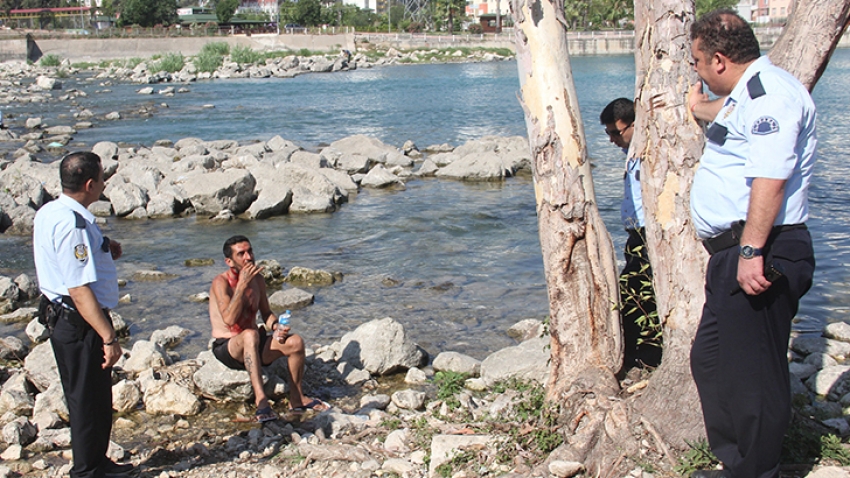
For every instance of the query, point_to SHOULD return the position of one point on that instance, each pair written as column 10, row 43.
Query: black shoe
column 115, row 470
column 711, row 474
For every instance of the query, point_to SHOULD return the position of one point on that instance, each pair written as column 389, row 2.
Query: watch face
column 748, row 252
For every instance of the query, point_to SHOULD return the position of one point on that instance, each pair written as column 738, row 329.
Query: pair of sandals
column 266, row 414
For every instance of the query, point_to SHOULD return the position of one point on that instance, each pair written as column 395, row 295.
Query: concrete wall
column 97, row 49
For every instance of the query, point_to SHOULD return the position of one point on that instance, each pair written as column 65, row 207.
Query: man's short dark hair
column 622, row 109
column 230, row 242
column 77, row 168
column 724, row 31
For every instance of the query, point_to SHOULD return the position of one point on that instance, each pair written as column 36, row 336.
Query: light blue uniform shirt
column 766, row 129
column 68, row 256
column 631, row 211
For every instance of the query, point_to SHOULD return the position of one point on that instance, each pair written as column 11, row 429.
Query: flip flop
column 314, row 404
column 265, row 415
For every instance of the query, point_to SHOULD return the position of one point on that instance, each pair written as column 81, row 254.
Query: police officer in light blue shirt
column 77, row 277
column 636, row 305
column 749, row 205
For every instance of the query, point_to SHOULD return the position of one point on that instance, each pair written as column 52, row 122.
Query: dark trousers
column 88, row 392
column 739, row 356
column 637, row 303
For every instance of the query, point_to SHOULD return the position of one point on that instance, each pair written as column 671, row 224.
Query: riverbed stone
column 125, row 196
column 565, row 469
column 25, row 189
column 311, row 191
column 445, row 447
column 526, row 329
column 145, row 355
column 838, row 331
column 311, row 277
column 36, row 332
column 24, row 314
column 270, row 202
column 380, row 347
column 52, row 400
column 810, row 345
column 16, row 395
column 12, row 348
column 19, row 432
column 415, row 375
column 380, row 177
column 833, row 382
column 212, row 192
column 291, row 298
column 216, row 380
column 40, row 365
column 163, row 398
column 526, row 361
column 125, row 396
column 170, row 337
column 458, row 363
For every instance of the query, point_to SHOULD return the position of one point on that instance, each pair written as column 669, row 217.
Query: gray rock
column 802, row 370
column 341, row 179
column 112, row 116
column 311, row 277
column 125, row 396
column 829, row 472
column 216, row 380
column 526, row 361
column 165, row 398
column 311, row 191
column 291, row 298
column 24, row 314
column 60, row 438
column 8, row 289
column 378, row 402
column 41, row 368
column 13, row 348
column 409, row 399
column 146, row 355
column 380, row 177
column 308, row 160
column 831, row 382
column 170, row 337
column 838, row 331
column 16, row 395
column 565, row 469
column 34, row 123
column 380, row 347
column 210, row 193
column 820, row 360
column 445, row 447
column 351, row 162
column 526, row 329
column 19, row 432
column 101, row 208
column 151, row 276
column 271, row 201
column 415, row 375
column 335, row 424
column 13, row 453
column 36, row 332
column 47, row 421
column 428, row 168
column 458, row 363
column 52, row 400
column 396, row 441
column 810, row 345
column 125, row 197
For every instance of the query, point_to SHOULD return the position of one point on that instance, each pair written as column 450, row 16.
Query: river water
column 456, row 263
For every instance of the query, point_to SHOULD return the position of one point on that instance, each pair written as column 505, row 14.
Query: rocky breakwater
column 222, row 180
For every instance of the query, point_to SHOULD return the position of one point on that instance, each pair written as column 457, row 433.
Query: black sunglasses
column 616, row 132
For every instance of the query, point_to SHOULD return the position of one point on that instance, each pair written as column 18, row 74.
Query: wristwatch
column 748, row 252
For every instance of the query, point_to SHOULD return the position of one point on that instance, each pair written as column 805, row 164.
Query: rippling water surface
column 456, row 263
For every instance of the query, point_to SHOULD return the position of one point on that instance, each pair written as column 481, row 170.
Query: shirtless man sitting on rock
column 236, row 296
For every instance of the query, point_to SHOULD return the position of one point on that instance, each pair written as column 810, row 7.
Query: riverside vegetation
column 450, row 416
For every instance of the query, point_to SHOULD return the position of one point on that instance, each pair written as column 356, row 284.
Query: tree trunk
column 670, row 144
column 578, row 254
column 810, row 37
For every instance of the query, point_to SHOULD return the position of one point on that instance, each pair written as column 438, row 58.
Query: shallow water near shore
column 456, row 263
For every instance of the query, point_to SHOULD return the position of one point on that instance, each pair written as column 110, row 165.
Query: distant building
column 766, row 12
column 488, row 7
column 363, row 4
column 269, row 7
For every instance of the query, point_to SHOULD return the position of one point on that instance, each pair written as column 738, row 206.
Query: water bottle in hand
column 282, row 321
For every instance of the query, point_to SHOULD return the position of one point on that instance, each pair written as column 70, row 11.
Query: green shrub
column 208, row 61
column 170, row 62
column 244, row 55
column 218, row 47
column 305, row 52
column 475, row 29
column 50, row 60
column 132, row 62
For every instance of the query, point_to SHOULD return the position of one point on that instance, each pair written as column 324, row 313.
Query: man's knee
column 295, row 343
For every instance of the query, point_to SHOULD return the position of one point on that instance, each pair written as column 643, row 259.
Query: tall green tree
column 147, row 13
column 307, row 13
column 224, row 10
column 451, row 10
column 705, row 6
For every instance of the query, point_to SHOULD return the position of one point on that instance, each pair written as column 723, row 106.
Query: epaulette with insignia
column 755, row 88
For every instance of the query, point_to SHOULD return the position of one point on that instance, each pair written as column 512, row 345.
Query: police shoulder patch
column 81, row 252
column 765, row 125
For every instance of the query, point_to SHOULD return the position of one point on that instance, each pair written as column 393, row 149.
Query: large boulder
column 216, row 380
column 380, row 177
column 271, row 201
column 380, row 347
column 53, row 401
column 458, row 363
column 290, row 299
column 25, row 189
column 146, row 355
column 125, row 196
column 528, row 361
column 212, row 192
column 311, row 191
column 488, row 159
column 371, row 148
column 16, row 396
column 166, row 398
column 125, row 396
column 170, row 337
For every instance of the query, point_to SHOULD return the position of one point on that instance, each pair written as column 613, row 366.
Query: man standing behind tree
column 638, row 305
column 77, row 277
column 758, row 161
column 236, row 296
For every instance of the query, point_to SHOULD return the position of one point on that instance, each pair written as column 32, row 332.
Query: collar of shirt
column 77, row 207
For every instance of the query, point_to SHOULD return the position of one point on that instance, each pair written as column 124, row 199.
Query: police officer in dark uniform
column 77, row 277
column 749, row 205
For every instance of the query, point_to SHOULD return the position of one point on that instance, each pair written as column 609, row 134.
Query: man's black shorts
column 219, row 349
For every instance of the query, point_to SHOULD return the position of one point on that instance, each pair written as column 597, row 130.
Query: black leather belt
column 732, row 237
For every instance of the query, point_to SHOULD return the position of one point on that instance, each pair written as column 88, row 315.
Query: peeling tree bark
column 578, row 255
column 670, row 144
